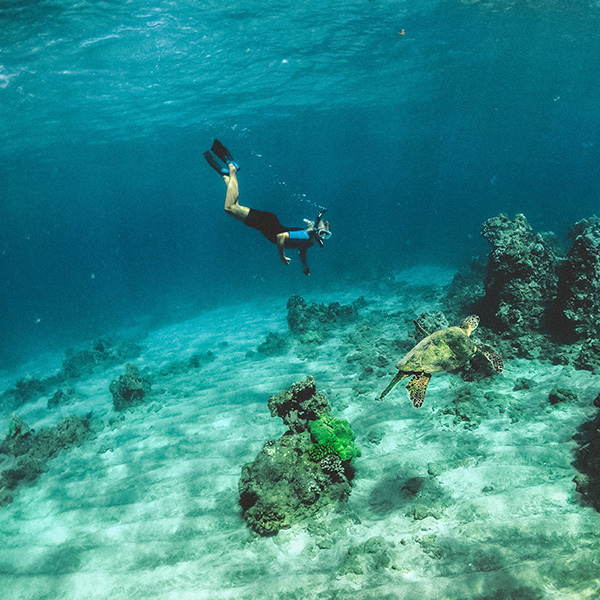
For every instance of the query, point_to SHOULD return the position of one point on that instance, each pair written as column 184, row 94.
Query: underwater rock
column 540, row 303
column 317, row 319
column 466, row 291
column 104, row 352
column 469, row 410
column 129, row 389
column 522, row 279
column 24, row 453
column 75, row 365
column 283, row 485
column 28, row 389
column 371, row 355
column 588, row 357
column 587, row 461
column 198, row 360
column 299, row 405
column 523, row 383
column 578, row 298
column 561, row 395
column 63, row 397
column 300, row 473
column 427, row 323
column 275, row 345
column 466, row 408
column 373, row 555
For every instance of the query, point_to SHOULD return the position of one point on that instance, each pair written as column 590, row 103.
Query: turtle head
column 469, row 324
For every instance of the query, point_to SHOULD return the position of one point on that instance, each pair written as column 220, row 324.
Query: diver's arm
column 303, row 261
column 281, row 238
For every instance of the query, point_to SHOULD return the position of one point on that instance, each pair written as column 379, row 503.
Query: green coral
column 319, row 451
column 336, row 436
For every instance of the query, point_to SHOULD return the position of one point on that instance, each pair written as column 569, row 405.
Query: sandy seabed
column 148, row 506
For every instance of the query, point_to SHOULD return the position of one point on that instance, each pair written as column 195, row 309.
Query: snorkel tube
column 319, row 217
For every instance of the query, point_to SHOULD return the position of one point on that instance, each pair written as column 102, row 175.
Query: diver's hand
column 285, row 260
column 306, row 271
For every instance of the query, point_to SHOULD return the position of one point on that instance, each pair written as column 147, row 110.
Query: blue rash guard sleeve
column 298, row 235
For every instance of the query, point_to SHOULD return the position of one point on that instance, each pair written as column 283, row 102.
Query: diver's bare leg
column 232, row 206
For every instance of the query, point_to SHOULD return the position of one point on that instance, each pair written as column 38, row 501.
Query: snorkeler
column 266, row 222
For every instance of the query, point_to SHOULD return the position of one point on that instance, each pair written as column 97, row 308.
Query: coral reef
column 578, row 300
column 129, row 389
column 282, row 486
column 522, row 279
column 289, row 481
column 470, row 406
column 104, row 352
column 587, row 461
column 299, row 405
column 313, row 321
column 587, row 358
column 374, row 345
column 24, row 452
column 336, row 436
column 427, row 323
column 537, row 296
column 467, row 291
column 28, row 389
column 63, row 397
column 275, row 345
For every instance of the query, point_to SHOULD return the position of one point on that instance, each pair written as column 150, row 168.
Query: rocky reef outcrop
column 587, row 460
column 130, row 388
column 25, row 452
column 319, row 319
column 578, row 301
column 522, row 279
column 536, row 296
column 105, row 352
column 306, row 470
column 275, row 344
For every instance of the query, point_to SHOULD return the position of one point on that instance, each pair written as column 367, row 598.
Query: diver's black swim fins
column 224, row 154
column 218, row 167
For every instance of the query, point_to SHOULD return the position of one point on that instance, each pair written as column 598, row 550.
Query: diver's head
column 322, row 232
column 321, row 228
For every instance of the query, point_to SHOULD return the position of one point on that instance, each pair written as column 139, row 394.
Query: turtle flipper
column 417, row 387
column 492, row 356
column 399, row 375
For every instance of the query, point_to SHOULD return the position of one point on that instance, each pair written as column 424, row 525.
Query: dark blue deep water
column 109, row 215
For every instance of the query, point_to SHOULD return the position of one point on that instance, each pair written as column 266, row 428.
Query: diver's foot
column 224, row 154
column 218, row 167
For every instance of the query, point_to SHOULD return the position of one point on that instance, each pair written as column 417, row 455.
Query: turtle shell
column 443, row 350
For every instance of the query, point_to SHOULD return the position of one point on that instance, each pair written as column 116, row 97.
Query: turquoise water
column 412, row 141
column 413, row 123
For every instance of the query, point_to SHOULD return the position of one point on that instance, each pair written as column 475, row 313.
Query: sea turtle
column 443, row 350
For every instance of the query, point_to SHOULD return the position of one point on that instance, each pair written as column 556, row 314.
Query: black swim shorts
column 266, row 222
